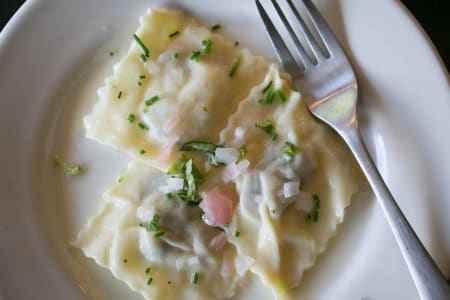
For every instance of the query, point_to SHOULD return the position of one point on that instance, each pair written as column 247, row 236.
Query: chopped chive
column 139, row 83
column 174, row 34
column 149, row 281
column 268, row 127
column 70, row 170
column 205, row 109
column 290, row 149
column 195, row 55
column 143, row 58
column 314, row 215
column 215, row 27
column 280, row 95
column 142, row 45
column 142, row 126
column 142, row 77
column 273, row 211
column 125, row 261
column 158, row 234
column 120, row 179
column 111, row 53
column 267, row 87
column 236, row 43
column 176, row 55
column 207, row 44
column 152, row 100
column 234, row 67
column 227, row 224
column 131, row 118
column 119, row 95
column 268, row 97
column 142, row 152
column 194, row 278
column 145, row 109
column 169, row 195
column 147, row 270
column 237, row 234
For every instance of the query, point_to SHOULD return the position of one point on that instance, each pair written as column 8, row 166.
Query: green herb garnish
column 142, row 77
column 280, row 95
column 147, row 270
column 131, row 118
column 149, row 281
column 205, row 109
column 153, row 225
column 125, row 261
column 119, row 95
column 70, row 170
column 242, row 151
column 174, row 34
column 192, row 179
column 268, row 97
column 234, row 67
column 141, row 44
column 142, row 152
column 208, row 148
column 267, row 87
column 268, row 127
column 158, row 234
column 142, row 126
column 314, row 215
column 236, row 43
column 207, row 44
column 194, row 278
column 152, row 100
column 290, row 149
column 195, row 55
column 143, row 57
column 169, row 195
column 237, row 234
column 215, row 27
column 176, row 55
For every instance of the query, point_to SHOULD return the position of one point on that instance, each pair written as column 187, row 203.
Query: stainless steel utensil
column 322, row 72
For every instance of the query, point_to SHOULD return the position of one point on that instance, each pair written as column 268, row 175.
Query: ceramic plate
column 55, row 53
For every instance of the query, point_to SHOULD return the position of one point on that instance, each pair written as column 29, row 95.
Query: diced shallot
column 304, row 201
column 218, row 242
column 167, row 149
column 232, row 171
column 227, row 155
column 291, row 189
column 218, row 205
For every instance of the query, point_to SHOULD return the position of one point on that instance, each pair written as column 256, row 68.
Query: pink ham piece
column 218, row 205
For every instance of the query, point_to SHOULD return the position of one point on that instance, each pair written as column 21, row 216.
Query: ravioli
column 192, row 84
column 229, row 177
column 159, row 267
column 287, row 238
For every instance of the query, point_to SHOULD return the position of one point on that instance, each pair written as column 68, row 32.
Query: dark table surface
column 433, row 15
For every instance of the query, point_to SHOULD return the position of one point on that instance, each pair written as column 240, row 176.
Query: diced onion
column 227, row 155
column 175, row 184
column 291, row 189
column 304, row 201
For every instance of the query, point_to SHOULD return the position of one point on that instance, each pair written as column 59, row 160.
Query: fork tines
column 308, row 44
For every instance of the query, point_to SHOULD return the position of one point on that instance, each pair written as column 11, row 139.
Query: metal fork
column 323, row 74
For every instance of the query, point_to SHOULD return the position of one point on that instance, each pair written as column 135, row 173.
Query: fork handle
column 429, row 281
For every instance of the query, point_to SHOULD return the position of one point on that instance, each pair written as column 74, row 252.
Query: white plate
column 54, row 53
